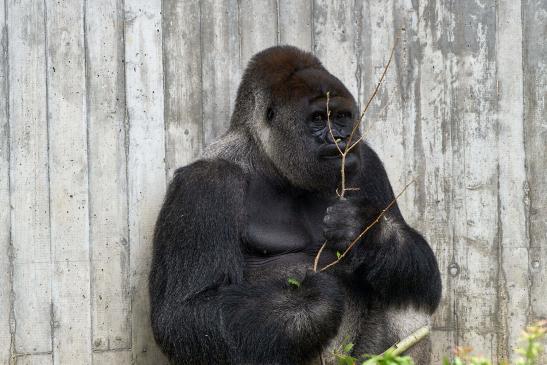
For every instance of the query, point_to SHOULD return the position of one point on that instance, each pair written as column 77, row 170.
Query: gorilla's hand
column 297, row 321
column 317, row 304
column 320, row 293
column 341, row 224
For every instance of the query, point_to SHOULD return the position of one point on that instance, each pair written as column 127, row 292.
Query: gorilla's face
column 331, row 133
column 296, row 133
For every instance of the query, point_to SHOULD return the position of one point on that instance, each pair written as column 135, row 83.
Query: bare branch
column 365, row 133
column 330, row 125
column 368, row 228
column 316, row 260
column 386, row 67
column 409, row 341
column 357, row 124
column 343, row 176
column 343, row 154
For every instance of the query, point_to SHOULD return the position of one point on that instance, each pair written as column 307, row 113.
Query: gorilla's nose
column 338, row 139
column 337, row 136
column 342, row 144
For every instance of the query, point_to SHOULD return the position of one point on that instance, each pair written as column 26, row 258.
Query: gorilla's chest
column 282, row 221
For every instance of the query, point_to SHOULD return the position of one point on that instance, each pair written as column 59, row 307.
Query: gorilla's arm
column 393, row 260
column 202, row 310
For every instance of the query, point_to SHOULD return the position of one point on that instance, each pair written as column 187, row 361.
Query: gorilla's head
column 282, row 103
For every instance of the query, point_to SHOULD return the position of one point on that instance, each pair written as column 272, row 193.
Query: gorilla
column 253, row 212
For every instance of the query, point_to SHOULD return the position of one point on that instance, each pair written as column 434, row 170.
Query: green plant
column 463, row 357
column 344, row 357
column 530, row 352
column 389, row 358
column 293, row 282
column 532, row 348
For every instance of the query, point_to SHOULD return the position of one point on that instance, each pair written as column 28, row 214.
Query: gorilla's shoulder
column 208, row 175
column 206, row 167
column 371, row 160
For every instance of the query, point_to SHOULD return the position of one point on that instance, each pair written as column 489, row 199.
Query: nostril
column 338, row 139
column 345, row 132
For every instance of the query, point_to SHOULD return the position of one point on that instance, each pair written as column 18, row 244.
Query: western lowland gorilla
column 253, row 212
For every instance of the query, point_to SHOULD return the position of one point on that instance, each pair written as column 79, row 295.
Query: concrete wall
column 100, row 100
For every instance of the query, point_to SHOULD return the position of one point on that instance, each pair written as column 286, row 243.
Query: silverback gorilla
column 253, row 212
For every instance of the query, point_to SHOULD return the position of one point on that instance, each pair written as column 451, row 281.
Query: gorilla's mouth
column 330, row 151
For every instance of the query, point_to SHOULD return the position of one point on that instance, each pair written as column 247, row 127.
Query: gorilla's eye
column 270, row 114
column 317, row 117
column 342, row 115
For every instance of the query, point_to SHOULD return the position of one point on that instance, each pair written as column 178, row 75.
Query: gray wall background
column 100, row 100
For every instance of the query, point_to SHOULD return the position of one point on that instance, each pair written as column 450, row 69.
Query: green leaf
column 294, row 282
column 348, row 347
column 338, row 254
column 350, row 360
column 446, row 361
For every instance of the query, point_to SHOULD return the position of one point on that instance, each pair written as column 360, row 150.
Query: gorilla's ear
column 270, row 114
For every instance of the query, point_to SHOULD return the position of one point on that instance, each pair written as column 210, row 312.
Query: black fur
column 236, row 225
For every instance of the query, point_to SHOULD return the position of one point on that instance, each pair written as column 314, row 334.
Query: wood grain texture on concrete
column 102, row 100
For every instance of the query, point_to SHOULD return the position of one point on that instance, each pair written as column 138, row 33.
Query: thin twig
column 349, row 146
column 386, row 67
column 343, row 154
column 354, row 242
column 316, row 260
column 363, row 135
column 330, row 125
column 388, row 103
column 343, row 176
column 357, row 124
column 401, row 346
column 365, row 132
